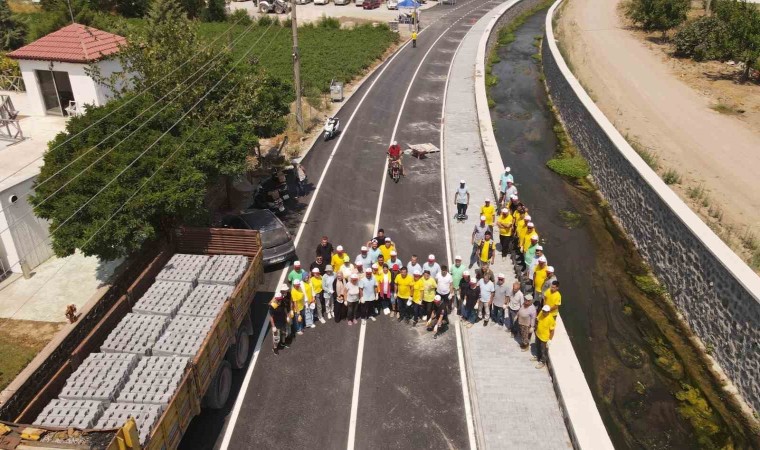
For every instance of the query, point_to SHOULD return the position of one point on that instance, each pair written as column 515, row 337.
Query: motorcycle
column 276, row 6
column 331, row 128
column 268, row 199
column 395, row 170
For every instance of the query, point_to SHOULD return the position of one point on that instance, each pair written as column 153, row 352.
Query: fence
column 12, row 83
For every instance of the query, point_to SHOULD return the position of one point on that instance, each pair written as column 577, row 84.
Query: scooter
column 276, row 6
column 395, row 171
column 268, row 199
column 331, row 128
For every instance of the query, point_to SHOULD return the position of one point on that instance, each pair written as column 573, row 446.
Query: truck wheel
column 219, row 390
column 237, row 355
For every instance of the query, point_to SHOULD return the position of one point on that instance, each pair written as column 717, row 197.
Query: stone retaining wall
column 715, row 291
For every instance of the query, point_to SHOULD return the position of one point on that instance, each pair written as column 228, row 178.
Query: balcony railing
column 9, row 124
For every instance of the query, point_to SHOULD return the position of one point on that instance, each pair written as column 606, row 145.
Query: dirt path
column 639, row 92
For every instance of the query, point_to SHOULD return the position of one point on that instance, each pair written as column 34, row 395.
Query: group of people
column 531, row 304
column 338, row 287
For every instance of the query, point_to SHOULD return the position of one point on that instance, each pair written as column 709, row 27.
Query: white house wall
column 27, row 238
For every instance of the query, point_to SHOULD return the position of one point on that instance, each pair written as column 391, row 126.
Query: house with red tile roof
column 55, row 69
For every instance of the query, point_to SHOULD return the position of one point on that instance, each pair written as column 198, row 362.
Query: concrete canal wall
column 715, row 291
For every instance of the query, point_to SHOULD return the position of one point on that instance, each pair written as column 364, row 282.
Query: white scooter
column 331, row 128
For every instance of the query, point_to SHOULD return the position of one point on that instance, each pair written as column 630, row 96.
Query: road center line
column 362, row 335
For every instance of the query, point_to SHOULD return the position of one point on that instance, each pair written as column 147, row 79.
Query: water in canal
column 633, row 368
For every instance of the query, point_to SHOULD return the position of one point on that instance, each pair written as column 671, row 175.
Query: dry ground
column 20, row 341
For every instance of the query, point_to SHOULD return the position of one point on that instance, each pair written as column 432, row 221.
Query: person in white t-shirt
column 444, row 281
column 486, row 299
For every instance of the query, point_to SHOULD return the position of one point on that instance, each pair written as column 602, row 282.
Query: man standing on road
column 328, row 291
column 486, row 287
column 394, row 300
column 545, row 324
column 338, row 258
column 516, row 300
column 413, row 266
column 297, row 273
column 526, row 320
column 387, row 248
column 431, row 266
column 418, row 290
column 539, row 273
column 429, row 293
column 553, row 299
column 550, row 278
column 456, row 279
column 394, row 260
column 301, row 177
column 297, row 298
column 470, row 298
column 368, row 287
column 500, row 298
column 487, row 250
column 505, row 223
column 404, row 284
column 414, row 39
column 320, row 263
column 384, row 280
column 489, row 212
column 352, row 293
column 438, row 318
column 536, row 260
column 374, row 251
column 444, row 281
column 461, row 200
column 278, row 318
column 503, row 179
column 363, row 257
column 478, row 234
column 325, row 249
column 315, row 282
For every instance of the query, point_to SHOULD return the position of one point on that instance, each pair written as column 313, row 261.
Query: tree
column 742, row 20
column 216, row 11
column 12, row 31
column 657, row 15
column 216, row 139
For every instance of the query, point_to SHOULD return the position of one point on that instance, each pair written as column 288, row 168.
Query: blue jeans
column 417, row 311
column 469, row 314
column 299, row 324
column 497, row 313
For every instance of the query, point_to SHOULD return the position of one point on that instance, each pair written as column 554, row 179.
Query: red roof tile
column 73, row 43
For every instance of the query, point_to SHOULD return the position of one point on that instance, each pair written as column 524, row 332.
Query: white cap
column 527, row 217
column 550, row 269
column 297, row 282
column 542, row 259
column 284, row 287
column 417, row 272
column 546, row 308
column 354, row 276
column 431, row 256
column 315, row 270
column 501, row 275
column 278, row 296
column 513, row 197
column 394, row 143
column 539, row 247
column 297, row 263
column 466, row 273
column 393, row 253
column 504, row 210
column 457, row 258
column 359, row 262
column 437, row 298
column 534, row 237
column 368, row 270
column 482, row 217
column 339, row 248
column 528, row 298
column 375, row 266
column 473, row 281
column 364, row 248
column 387, row 239
column 461, row 181
column 507, row 169
column 510, row 181
column 530, row 225
column 487, row 200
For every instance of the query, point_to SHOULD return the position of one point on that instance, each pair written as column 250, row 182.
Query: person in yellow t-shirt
column 530, row 230
column 521, row 229
column 338, row 258
column 545, row 325
column 404, row 284
column 487, row 250
column 418, row 290
column 315, row 282
column 505, row 222
column 298, row 300
column 539, row 276
column 429, row 293
column 489, row 211
column 552, row 298
column 386, row 249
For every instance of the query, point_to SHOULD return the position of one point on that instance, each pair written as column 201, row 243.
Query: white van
column 391, row 4
column 321, row 2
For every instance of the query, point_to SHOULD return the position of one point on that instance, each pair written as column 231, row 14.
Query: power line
column 124, row 104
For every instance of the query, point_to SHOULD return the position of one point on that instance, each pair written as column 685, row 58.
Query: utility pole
column 296, row 68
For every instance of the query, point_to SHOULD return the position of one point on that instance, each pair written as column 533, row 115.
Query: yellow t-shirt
column 526, row 241
column 405, row 285
column 539, row 276
column 545, row 323
column 417, row 291
column 386, row 252
column 522, row 227
column 552, row 299
column 430, row 286
column 505, row 224
column 337, row 261
column 297, row 297
column 316, row 284
column 488, row 211
column 414, row 35
column 486, row 245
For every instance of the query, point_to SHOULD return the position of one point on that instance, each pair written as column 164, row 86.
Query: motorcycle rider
column 394, row 154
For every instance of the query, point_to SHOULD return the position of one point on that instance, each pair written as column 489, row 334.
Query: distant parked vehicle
column 302, row 2
column 275, row 237
column 371, row 4
column 341, row 2
column 275, row 6
column 391, row 4
column 321, row 2
column 358, row 3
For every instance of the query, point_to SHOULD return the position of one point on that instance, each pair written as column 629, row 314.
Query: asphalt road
column 411, row 394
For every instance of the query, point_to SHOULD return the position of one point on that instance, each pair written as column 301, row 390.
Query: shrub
column 240, row 17
column 572, row 167
column 671, row 177
column 657, row 15
column 215, row 11
column 328, row 22
column 12, row 31
column 702, row 39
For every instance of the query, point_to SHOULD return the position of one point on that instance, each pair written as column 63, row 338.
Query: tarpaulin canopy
column 411, row 4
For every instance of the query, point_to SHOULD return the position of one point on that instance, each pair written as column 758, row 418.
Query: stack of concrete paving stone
column 184, row 336
column 100, row 377
column 136, row 333
column 224, row 269
column 164, row 298
column 183, row 267
column 206, row 300
column 145, row 416
column 80, row 414
column 155, row 380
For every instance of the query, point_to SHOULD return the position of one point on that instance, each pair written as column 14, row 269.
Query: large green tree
column 12, row 31
column 657, row 15
column 742, row 20
column 216, row 138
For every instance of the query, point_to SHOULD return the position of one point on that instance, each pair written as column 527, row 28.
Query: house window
column 56, row 91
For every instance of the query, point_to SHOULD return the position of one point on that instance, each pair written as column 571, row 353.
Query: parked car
column 358, row 2
column 341, row 2
column 276, row 240
column 391, row 4
column 321, row 2
column 371, row 4
column 302, row 2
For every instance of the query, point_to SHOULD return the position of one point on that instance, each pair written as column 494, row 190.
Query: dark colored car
column 372, row 4
column 275, row 237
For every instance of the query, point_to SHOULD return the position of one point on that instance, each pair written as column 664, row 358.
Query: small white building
column 57, row 86
column 54, row 69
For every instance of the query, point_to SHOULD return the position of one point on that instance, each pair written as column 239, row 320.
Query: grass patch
column 20, row 341
column 571, row 167
column 671, row 177
column 726, row 109
column 696, row 193
column 491, row 80
column 649, row 285
column 646, row 154
column 749, row 240
column 571, row 219
column 694, row 408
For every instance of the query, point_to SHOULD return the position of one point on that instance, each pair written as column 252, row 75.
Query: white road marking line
column 460, row 350
column 249, row 373
column 360, row 350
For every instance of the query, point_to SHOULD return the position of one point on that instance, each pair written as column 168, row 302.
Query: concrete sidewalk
column 514, row 404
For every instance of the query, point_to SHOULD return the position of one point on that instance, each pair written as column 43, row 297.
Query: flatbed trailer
column 207, row 380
